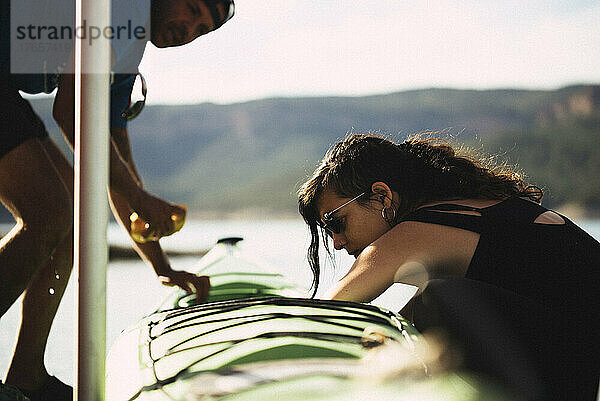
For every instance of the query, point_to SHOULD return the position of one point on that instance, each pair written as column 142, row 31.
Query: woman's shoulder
column 435, row 246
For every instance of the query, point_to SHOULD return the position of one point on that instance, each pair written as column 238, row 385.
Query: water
column 279, row 244
column 133, row 290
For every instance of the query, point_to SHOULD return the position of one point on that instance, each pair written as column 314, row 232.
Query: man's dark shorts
column 18, row 121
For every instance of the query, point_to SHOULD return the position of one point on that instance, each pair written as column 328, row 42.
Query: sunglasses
column 335, row 225
column 134, row 110
column 214, row 11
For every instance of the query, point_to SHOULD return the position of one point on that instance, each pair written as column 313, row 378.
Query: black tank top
column 555, row 265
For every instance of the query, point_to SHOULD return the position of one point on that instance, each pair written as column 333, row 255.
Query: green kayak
column 257, row 338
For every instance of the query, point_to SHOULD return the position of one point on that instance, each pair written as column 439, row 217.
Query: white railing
column 91, row 207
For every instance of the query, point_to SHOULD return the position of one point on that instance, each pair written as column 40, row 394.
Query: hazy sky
column 355, row 47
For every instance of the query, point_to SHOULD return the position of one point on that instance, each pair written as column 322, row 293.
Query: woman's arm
column 410, row 253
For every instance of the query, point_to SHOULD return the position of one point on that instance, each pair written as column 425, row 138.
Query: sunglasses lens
column 229, row 7
column 231, row 11
column 336, row 226
column 133, row 111
column 139, row 85
column 333, row 226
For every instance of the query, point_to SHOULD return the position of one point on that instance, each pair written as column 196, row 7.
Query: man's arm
column 153, row 210
column 151, row 251
column 127, row 195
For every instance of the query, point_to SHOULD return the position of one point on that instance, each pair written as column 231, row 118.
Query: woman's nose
column 339, row 241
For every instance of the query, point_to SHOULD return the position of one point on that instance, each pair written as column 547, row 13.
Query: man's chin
column 157, row 42
column 160, row 41
column 163, row 44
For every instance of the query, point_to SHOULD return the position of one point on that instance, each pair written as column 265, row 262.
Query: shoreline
column 121, row 252
column 572, row 210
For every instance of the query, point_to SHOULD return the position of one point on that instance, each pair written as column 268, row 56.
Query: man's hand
column 163, row 218
column 188, row 282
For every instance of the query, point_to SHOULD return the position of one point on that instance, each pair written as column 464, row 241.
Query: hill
column 251, row 157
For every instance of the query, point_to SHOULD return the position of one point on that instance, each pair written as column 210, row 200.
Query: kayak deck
column 245, row 344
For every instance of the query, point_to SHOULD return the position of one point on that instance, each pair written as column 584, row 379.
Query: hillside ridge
column 252, row 156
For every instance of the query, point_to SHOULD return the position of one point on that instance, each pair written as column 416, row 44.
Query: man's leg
column 33, row 191
column 42, row 298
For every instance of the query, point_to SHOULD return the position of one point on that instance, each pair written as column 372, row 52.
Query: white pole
column 91, row 206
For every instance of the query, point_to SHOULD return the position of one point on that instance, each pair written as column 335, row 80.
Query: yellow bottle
column 141, row 231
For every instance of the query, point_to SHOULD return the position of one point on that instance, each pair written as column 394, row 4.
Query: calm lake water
column 133, row 291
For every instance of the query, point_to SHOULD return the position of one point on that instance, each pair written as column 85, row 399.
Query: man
column 36, row 183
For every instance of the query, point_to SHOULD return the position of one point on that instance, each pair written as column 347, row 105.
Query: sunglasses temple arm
column 345, row 204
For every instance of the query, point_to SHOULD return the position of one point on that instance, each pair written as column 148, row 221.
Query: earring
column 386, row 217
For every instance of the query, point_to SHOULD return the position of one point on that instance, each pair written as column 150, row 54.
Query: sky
column 361, row 47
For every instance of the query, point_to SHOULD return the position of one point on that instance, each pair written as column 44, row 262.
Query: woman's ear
column 383, row 193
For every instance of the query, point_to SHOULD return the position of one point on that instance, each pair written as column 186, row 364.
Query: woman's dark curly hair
column 421, row 170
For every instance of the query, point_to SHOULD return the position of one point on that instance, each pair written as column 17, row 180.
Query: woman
column 508, row 281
